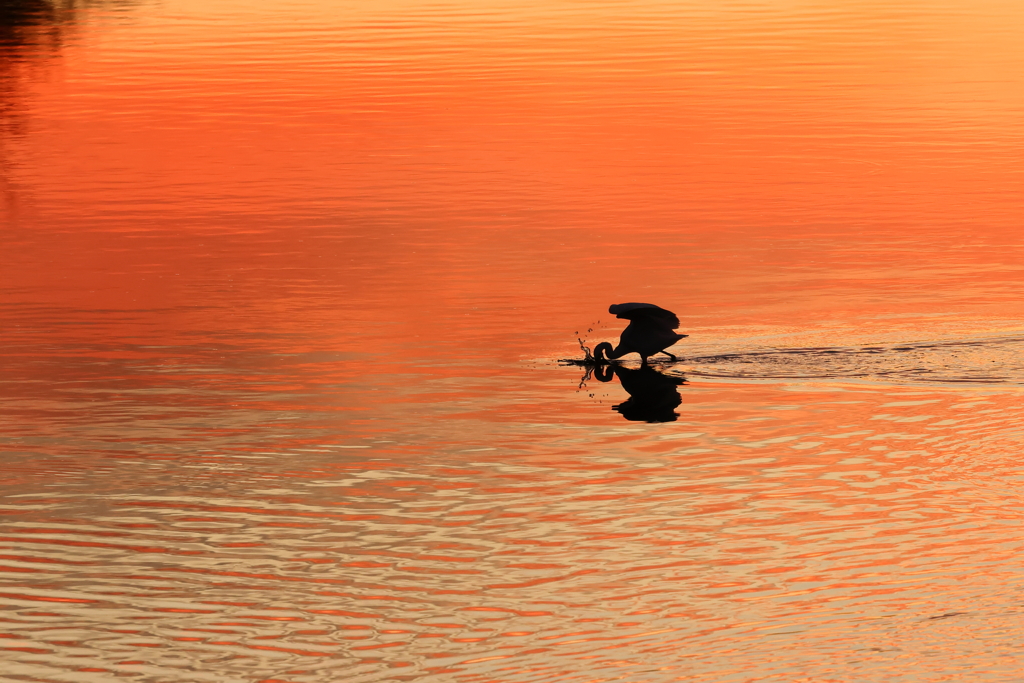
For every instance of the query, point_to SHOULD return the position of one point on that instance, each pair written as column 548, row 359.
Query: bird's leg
column 672, row 356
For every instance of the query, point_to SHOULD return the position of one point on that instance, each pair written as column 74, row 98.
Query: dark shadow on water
column 653, row 396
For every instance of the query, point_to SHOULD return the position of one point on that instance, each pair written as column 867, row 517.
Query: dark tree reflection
column 20, row 18
column 653, row 396
column 32, row 32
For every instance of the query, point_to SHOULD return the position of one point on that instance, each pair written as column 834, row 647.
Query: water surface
column 283, row 288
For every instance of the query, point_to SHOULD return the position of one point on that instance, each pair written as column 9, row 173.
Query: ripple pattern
column 865, row 525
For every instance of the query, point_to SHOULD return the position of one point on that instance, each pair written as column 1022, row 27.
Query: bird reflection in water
column 653, row 396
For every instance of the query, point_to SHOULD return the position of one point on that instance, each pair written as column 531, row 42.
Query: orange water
column 283, row 287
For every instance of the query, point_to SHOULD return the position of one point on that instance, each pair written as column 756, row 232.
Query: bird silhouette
column 650, row 331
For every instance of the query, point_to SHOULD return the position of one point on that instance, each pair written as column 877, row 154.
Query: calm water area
column 284, row 286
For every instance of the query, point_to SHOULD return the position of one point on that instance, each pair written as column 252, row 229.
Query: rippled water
column 284, row 286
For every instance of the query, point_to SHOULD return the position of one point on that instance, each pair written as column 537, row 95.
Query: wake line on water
column 994, row 360
column 984, row 361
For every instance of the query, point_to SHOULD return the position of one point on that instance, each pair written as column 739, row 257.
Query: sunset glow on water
column 284, row 287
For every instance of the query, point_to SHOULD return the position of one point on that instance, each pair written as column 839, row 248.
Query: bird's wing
column 666, row 318
column 648, row 312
